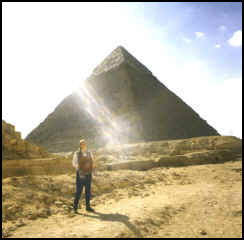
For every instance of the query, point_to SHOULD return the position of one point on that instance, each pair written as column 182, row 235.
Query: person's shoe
column 75, row 210
column 89, row 209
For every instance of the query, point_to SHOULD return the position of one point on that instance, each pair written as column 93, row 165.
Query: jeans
column 80, row 183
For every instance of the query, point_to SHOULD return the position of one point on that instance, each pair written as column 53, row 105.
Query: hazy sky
column 195, row 49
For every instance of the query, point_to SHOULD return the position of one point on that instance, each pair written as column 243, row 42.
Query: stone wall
column 13, row 147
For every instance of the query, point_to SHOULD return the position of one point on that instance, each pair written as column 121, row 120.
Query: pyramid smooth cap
column 117, row 57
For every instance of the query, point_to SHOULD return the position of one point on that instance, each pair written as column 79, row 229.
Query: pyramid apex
column 117, row 57
column 120, row 47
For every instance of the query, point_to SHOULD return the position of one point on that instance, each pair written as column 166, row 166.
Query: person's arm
column 94, row 165
column 75, row 160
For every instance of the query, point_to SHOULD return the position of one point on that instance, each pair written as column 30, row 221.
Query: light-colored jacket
column 75, row 160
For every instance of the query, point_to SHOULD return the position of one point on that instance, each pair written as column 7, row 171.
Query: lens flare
column 111, row 128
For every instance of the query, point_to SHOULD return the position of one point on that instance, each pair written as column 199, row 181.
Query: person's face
column 83, row 146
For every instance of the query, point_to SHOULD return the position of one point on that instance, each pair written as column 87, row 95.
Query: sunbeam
column 110, row 128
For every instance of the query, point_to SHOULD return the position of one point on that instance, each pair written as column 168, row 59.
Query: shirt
column 75, row 160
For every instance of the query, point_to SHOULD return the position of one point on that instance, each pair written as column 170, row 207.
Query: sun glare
column 111, row 128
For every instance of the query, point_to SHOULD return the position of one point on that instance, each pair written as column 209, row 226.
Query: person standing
column 83, row 175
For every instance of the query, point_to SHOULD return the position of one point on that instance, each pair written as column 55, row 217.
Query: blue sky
column 177, row 21
column 195, row 49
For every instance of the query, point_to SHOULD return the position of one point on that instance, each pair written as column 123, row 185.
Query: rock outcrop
column 13, row 147
column 138, row 156
column 174, row 153
column 123, row 100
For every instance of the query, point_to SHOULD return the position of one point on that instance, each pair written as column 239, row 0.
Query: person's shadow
column 115, row 217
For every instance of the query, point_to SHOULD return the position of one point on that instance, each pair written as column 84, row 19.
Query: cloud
column 199, row 34
column 236, row 39
column 227, row 98
column 218, row 46
column 218, row 102
column 222, row 28
column 187, row 40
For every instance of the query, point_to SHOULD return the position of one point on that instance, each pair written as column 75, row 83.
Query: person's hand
column 95, row 173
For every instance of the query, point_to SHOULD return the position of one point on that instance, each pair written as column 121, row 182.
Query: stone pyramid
column 121, row 99
column 14, row 147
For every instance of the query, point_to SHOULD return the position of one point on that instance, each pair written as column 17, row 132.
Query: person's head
column 83, row 145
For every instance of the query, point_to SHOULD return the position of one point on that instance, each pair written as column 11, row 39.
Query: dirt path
column 202, row 209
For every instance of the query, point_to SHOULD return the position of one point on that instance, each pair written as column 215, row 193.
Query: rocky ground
column 193, row 201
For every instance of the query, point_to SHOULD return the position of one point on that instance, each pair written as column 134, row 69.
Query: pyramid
column 14, row 147
column 124, row 100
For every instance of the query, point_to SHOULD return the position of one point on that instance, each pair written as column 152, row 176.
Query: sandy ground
column 192, row 202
